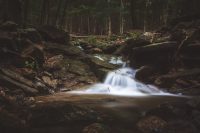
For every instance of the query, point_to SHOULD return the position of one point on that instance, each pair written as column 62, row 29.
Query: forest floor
column 38, row 65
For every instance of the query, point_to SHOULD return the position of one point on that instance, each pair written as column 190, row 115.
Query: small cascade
column 122, row 82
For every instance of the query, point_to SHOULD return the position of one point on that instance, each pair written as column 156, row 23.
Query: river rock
column 68, row 50
column 51, row 82
column 97, row 63
column 31, row 34
column 151, row 124
column 76, row 67
column 180, row 126
column 10, row 122
column 52, row 34
column 96, row 128
column 101, row 73
column 8, row 41
column 71, row 72
column 144, row 73
column 126, row 49
column 95, row 50
column 99, row 67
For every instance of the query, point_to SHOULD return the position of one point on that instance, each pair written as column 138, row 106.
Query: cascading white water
column 122, row 82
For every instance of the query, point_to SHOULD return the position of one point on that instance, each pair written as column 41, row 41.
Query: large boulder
column 68, row 50
column 151, row 124
column 96, row 128
column 99, row 67
column 31, row 34
column 71, row 73
column 158, row 54
column 144, row 73
column 33, row 53
column 126, row 49
column 53, row 34
column 97, row 63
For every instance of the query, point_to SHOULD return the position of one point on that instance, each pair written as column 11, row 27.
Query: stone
column 95, row 62
column 130, row 44
column 54, row 62
column 68, row 50
column 144, row 73
column 101, row 73
column 51, row 82
column 180, row 126
column 31, row 34
column 95, row 50
column 53, row 34
column 151, row 124
column 96, row 128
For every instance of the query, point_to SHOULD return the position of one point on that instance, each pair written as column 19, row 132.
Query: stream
column 118, row 103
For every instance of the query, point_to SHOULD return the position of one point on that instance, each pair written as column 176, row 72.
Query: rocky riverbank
column 169, row 57
column 38, row 62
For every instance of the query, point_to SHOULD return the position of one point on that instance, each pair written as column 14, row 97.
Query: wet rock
column 101, row 73
column 52, row 34
column 180, row 126
column 99, row 67
column 76, row 67
column 72, row 72
column 126, row 49
column 151, row 124
column 95, row 50
column 96, row 128
column 144, row 73
column 95, row 62
column 58, row 113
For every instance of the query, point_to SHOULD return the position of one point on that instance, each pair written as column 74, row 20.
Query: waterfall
column 122, row 82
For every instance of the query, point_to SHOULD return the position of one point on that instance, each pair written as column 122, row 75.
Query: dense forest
column 99, row 17
column 99, row 66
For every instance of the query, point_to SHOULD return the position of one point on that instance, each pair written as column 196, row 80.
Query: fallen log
column 169, row 78
column 156, row 47
column 17, row 77
column 28, row 90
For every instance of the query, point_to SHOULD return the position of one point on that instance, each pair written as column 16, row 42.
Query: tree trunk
column 26, row 10
column 11, row 10
column 109, row 20
column 132, row 12
column 44, row 16
column 57, row 12
column 121, row 17
column 63, row 17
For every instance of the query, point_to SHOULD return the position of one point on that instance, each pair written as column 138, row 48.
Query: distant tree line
column 97, row 16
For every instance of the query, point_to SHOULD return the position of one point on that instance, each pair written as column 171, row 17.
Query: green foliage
column 135, row 34
column 31, row 64
column 92, row 40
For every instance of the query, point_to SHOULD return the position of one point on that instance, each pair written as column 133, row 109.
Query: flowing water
column 119, row 103
column 122, row 82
